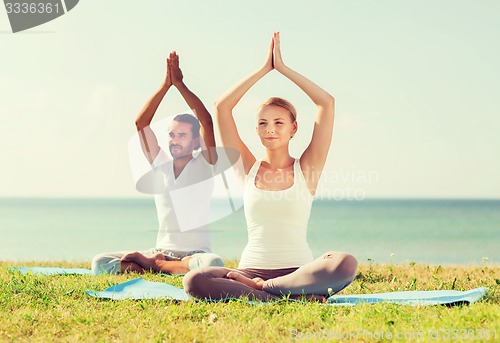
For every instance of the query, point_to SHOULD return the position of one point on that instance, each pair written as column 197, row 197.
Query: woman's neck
column 278, row 159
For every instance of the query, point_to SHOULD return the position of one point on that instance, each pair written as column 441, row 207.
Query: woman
column 278, row 194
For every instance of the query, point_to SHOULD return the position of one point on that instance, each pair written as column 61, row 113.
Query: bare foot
column 159, row 256
column 256, row 283
column 184, row 267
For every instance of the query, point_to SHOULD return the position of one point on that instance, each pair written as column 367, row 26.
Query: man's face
column 181, row 142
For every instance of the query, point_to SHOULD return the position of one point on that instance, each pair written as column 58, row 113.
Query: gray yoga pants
column 109, row 263
column 331, row 272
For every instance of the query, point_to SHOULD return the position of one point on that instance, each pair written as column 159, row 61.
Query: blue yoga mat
column 51, row 271
column 142, row 289
column 443, row 297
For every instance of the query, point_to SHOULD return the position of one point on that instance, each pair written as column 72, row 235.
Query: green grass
column 56, row 308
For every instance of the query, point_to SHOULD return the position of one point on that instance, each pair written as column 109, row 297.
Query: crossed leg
column 333, row 270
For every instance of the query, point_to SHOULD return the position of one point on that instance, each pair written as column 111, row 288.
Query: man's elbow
column 140, row 125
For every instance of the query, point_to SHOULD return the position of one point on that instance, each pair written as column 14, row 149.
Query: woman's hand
column 256, row 283
column 268, row 64
column 174, row 69
column 277, row 59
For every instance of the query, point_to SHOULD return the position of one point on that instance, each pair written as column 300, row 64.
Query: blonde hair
column 280, row 102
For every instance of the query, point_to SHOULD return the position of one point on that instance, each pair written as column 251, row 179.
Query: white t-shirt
column 183, row 204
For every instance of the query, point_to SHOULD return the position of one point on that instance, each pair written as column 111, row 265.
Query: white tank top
column 276, row 223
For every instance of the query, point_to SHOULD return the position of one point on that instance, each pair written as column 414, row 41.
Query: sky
column 416, row 85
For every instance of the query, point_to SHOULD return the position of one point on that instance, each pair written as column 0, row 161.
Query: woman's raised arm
column 224, row 111
column 313, row 159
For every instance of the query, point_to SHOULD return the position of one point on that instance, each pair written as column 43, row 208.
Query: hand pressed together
column 273, row 58
column 277, row 59
column 174, row 69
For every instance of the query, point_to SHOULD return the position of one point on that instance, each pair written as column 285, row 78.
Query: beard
column 177, row 151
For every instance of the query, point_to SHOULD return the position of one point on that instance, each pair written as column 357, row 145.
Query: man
column 178, row 249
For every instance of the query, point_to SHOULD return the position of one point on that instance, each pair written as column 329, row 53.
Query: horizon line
column 318, row 198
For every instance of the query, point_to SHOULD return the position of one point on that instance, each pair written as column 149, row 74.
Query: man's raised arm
column 149, row 143
column 201, row 112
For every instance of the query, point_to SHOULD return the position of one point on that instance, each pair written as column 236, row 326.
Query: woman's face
column 275, row 126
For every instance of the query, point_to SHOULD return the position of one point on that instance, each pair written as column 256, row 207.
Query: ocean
column 444, row 232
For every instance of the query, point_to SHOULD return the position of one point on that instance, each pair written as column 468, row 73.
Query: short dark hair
column 190, row 119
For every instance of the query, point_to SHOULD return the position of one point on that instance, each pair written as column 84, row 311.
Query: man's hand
column 168, row 77
column 175, row 70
